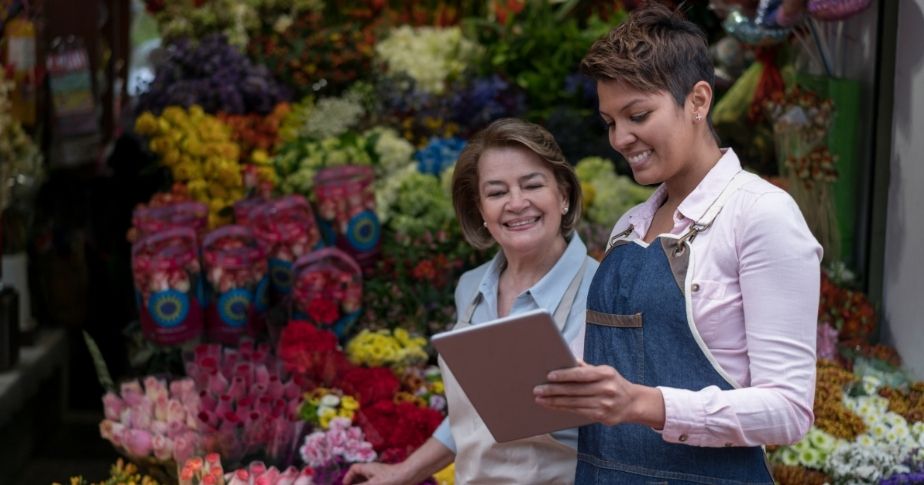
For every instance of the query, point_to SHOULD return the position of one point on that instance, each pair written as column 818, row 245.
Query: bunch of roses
column 199, row 151
column 311, row 355
column 246, row 407
column 154, row 421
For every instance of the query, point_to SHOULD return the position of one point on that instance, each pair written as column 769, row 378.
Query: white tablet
column 498, row 364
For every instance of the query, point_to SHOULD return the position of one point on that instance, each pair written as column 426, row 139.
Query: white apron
column 481, row 460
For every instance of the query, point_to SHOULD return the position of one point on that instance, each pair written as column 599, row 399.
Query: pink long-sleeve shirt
column 754, row 300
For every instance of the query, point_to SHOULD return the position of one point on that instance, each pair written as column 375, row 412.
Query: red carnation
column 323, row 311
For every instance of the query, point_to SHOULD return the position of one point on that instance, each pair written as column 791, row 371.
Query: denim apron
column 479, row 458
column 639, row 321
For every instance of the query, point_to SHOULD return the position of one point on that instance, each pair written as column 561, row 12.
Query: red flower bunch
column 323, row 311
column 847, row 310
column 370, row 385
column 396, row 430
column 311, row 354
column 504, row 9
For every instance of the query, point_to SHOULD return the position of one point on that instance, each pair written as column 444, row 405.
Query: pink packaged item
column 287, row 231
column 346, row 209
column 328, row 290
column 168, row 286
column 237, row 276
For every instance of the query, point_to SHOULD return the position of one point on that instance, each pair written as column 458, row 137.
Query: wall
column 903, row 273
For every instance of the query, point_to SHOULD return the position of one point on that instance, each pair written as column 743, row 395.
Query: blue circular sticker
column 168, row 308
column 234, row 307
column 364, row 231
column 281, row 275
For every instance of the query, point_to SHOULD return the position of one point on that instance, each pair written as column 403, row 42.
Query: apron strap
column 561, row 312
column 709, row 216
column 567, row 301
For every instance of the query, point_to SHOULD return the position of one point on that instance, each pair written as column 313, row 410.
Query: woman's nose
column 621, row 138
column 518, row 201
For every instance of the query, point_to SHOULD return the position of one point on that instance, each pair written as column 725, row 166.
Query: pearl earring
column 484, row 223
column 564, row 210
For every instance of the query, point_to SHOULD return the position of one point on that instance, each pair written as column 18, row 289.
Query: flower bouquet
column 328, row 290
column 152, row 218
column 154, row 423
column 247, row 408
column 168, row 286
column 310, row 355
column 383, row 348
column 329, row 453
column 237, row 275
column 321, row 405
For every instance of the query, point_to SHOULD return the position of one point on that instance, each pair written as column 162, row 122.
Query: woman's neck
column 704, row 157
column 524, row 270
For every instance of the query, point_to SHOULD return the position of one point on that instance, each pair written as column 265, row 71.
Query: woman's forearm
column 430, row 458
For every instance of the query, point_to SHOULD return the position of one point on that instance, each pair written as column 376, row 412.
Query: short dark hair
column 509, row 132
column 655, row 49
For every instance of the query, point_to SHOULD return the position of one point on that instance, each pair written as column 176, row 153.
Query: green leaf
column 102, row 372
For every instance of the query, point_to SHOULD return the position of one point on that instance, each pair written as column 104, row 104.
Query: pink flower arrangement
column 246, row 406
column 154, row 421
column 208, row 471
column 331, row 451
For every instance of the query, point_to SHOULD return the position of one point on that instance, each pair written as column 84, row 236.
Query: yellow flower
column 325, row 415
column 146, row 124
column 345, row 413
column 259, row 157
column 349, row 403
column 446, row 476
column 438, row 387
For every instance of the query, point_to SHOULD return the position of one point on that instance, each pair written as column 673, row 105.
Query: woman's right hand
column 377, row 474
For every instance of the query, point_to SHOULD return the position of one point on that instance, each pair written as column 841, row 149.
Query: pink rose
column 176, row 412
column 163, row 447
column 137, row 442
column 131, row 393
column 112, row 406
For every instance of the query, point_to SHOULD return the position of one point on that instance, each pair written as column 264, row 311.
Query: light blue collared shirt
column 545, row 294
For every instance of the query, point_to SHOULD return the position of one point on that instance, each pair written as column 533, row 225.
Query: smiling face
column 654, row 135
column 520, row 200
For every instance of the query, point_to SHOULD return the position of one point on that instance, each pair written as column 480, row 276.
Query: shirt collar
column 548, row 291
column 695, row 205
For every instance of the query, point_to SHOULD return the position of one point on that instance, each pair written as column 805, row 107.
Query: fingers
column 582, row 373
column 356, row 474
column 571, row 389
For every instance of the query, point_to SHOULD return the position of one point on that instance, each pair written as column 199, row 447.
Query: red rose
column 370, row 385
column 323, row 311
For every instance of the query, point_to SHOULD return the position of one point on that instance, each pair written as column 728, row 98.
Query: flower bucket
column 346, row 207
column 237, row 276
column 287, row 230
column 168, row 286
column 328, row 290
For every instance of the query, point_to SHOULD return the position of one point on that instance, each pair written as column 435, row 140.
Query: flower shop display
column 154, row 422
column 168, row 286
column 345, row 202
column 328, row 290
column 318, row 302
column 237, row 274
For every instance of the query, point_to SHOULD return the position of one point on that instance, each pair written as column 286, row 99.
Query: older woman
column 512, row 186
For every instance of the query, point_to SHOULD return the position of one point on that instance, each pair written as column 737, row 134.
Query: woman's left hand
column 601, row 394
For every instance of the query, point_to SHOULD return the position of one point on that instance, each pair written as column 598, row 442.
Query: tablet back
column 498, row 364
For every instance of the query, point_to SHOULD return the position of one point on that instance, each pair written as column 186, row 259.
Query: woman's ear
column 700, row 99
